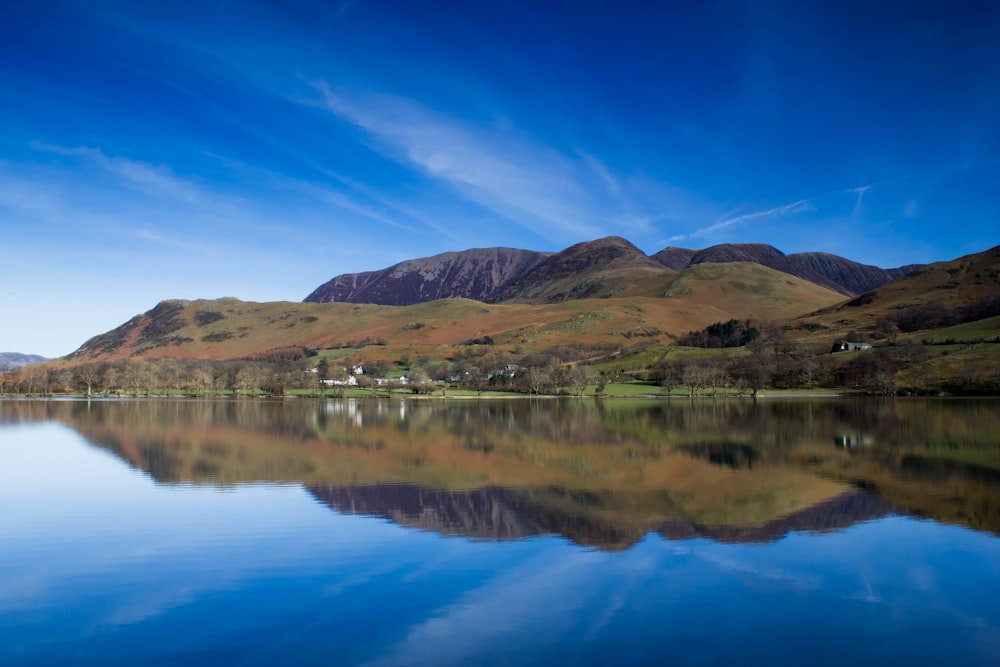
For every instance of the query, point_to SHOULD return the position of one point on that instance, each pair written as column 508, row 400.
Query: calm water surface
column 499, row 533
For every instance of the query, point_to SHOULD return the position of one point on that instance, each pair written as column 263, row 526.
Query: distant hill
column 959, row 283
column 830, row 271
column 594, row 292
column 602, row 268
column 11, row 360
column 677, row 302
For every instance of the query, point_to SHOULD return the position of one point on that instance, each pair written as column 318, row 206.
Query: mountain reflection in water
column 601, row 474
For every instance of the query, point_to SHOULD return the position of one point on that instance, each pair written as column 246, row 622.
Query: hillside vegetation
column 230, row 329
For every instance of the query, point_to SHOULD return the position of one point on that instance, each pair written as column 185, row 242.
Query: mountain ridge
column 479, row 274
column 13, row 360
column 600, row 268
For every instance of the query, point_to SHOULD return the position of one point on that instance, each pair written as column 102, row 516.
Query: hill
column 595, row 269
column 833, row 272
column 925, row 293
column 852, row 276
column 682, row 301
column 11, row 360
column 602, row 268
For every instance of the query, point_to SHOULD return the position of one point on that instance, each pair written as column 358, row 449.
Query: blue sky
column 155, row 150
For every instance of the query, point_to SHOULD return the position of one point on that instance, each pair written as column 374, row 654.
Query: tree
column 32, row 375
column 578, row 378
column 200, row 380
column 537, row 379
column 138, row 376
column 110, row 381
column 753, row 374
column 87, row 376
column 420, row 382
column 248, row 380
column 694, row 376
column 171, row 375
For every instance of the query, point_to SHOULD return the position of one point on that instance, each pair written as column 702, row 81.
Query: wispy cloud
column 769, row 214
column 152, row 179
column 527, row 183
column 599, row 168
column 861, row 193
column 810, row 204
column 673, row 239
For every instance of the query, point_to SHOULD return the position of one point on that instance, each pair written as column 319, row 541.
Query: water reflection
column 601, row 474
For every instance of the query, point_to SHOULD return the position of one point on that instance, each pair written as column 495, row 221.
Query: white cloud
column 530, row 184
column 156, row 180
column 769, row 214
column 861, row 193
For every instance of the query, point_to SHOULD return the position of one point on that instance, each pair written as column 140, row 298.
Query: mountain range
column 606, row 267
column 13, row 360
column 594, row 292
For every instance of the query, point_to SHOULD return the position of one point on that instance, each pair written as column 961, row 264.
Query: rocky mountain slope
column 479, row 274
column 830, row 271
column 852, row 276
column 594, row 269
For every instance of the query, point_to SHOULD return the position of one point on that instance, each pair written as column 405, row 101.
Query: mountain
column 854, row 277
column 11, row 360
column 606, row 267
column 479, row 274
column 830, row 271
column 955, row 284
column 670, row 304
column 602, row 268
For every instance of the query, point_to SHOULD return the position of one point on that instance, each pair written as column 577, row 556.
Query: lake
column 523, row 532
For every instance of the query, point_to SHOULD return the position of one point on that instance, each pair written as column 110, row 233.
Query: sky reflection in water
column 100, row 565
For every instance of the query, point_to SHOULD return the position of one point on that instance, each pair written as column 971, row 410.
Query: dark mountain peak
column 603, row 267
column 759, row 253
column 830, row 271
column 608, row 244
column 576, row 272
column 851, row 275
column 675, row 258
column 479, row 274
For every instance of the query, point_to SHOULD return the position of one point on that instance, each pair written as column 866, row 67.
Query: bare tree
column 200, row 380
column 87, row 376
column 32, row 375
column 247, row 380
column 538, row 379
column 171, row 375
column 578, row 378
column 111, row 380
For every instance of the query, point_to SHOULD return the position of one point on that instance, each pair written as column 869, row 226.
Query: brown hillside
column 830, row 271
column 677, row 303
column 956, row 283
column 596, row 269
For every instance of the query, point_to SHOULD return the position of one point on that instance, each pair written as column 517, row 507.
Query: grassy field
column 988, row 329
